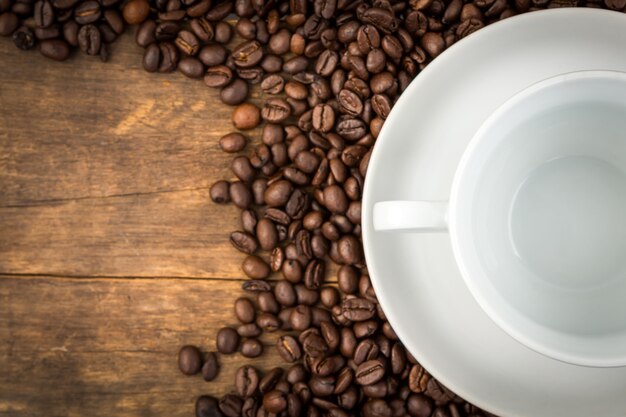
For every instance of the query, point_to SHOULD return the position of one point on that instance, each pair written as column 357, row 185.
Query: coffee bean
column 273, row 84
column 227, row 340
column 145, row 35
column 89, row 40
column 43, row 13
column 189, row 360
column 244, row 310
column 233, row 142
column 288, row 348
column 322, row 386
column 246, row 116
column 306, row 296
column 418, row 379
column 246, row 28
column 323, row 118
column 255, row 267
column 136, row 11
column 269, row 381
column 23, row 38
column 247, row 54
column 278, row 193
column 9, row 22
column 285, row 293
column 213, row 54
column 329, row 297
column 376, row 408
column 231, row 405
column 275, row 110
column 301, row 318
column 235, row 93
column 249, row 330
column 358, row 309
column 51, row 32
column 267, row 302
column 219, row 191
column 187, row 42
column 246, row 381
column 326, row 63
column 240, row 194
column 370, row 372
column 56, row 49
column 211, row 367
column 314, row 274
column 268, row 322
column 207, row 406
column 220, row 76
column 87, row 12
column 295, row 65
column 223, row 32
column 274, row 402
column 272, row 63
column 169, row 57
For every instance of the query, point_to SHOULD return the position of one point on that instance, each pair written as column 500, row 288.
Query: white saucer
column 415, row 276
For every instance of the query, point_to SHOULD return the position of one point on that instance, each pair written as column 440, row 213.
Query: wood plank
column 108, row 347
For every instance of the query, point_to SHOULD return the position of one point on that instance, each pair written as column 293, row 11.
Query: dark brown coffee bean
column 211, row 367
column 277, row 216
column 240, row 194
column 335, row 199
column 145, row 35
column 220, row 191
column 285, row 293
column 87, row 12
column 246, row 381
column 220, row 76
column 314, row 274
column 227, row 340
column 344, row 380
column 350, row 250
column 295, row 65
column 267, row 234
column 251, row 348
column 244, row 310
column 329, row 296
column 322, row 386
column 301, row 318
column 9, row 22
column 235, row 93
column 89, row 40
column 244, row 242
column 231, row 405
column 233, row 142
column 213, row 55
column 348, row 279
column 191, row 67
column 246, row 116
column 24, row 38
column 268, row 322
column 273, row 84
column 370, row 372
column 267, row 302
column 288, row 348
column 169, row 57
column 358, row 309
column 272, row 63
column 364, row 329
column 275, row 110
column 330, row 334
column 223, row 32
column 247, row 54
column 292, row 270
column 255, row 267
column 187, row 42
column 278, row 193
column 419, row 405
column 323, row 118
column 43, row 13
column 246, row 28
column 274, row 402
column 51, row 32
column 438, row 392
column 207, row 406
column 56, row 49
column 249, row 330
column 296, row 373
column 189, row 360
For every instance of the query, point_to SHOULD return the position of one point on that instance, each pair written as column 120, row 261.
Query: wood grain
column 77, row 347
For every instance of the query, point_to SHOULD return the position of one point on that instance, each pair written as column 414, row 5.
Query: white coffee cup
column 537, row 217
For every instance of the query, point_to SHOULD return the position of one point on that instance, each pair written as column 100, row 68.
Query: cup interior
column 538, row 217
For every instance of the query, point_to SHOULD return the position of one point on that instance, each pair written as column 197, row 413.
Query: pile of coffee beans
column 330, row 72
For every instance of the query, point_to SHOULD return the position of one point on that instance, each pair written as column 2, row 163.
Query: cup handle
column 411, row 216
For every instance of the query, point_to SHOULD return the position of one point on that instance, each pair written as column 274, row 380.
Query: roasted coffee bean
column 288, row 348
column 87, row 12
column 246, row 28
column 235, row 93
column 292, row 270
column 246, row 381
column 246, row 116
column 278, row 193
column 43, row 13
column 240, row 195
column 249, row 330
column 273, row 84
column 418, row 379
column 277, row 259
column 277, row 216
column 268, row 322
column 220, row 191
column 145, row 34
column 207, row 406
column 24, row 38
column 267, row 234
column 233, row 142
column 136, row 11
column 211, row 367
column 329, row 296
column 251, row 348
column 365, row 328
column 323, row 118
column 419, row 405
column 227, row 340
column 314, row 274
column 213, row 55
column 438, row 392
column 272, row 63
column 169, row 57
column 269, row 381
column 370, row 372
column 230, row 405
column 244, row 310
column 322, row 386
column 274, row 402
column 51, row 32
column 275, row 110
column 247, row 54
column 301, row 318
column 219, row 76
column 89, row 40
column 223, row 32
column 255, row 267
column 267, row 303
column 9, row 22
column 250, row 407
column 350, row 250
column 305, row 295
column 56, row 49
column 358, row 309
column 376, row 408
column 344, row 380
column 187, row 42
column 189, row 360
column 285, row 293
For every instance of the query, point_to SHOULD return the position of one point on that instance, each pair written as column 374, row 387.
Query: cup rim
column 494, row 313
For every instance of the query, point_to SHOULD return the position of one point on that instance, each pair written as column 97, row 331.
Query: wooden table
column 112, row 254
